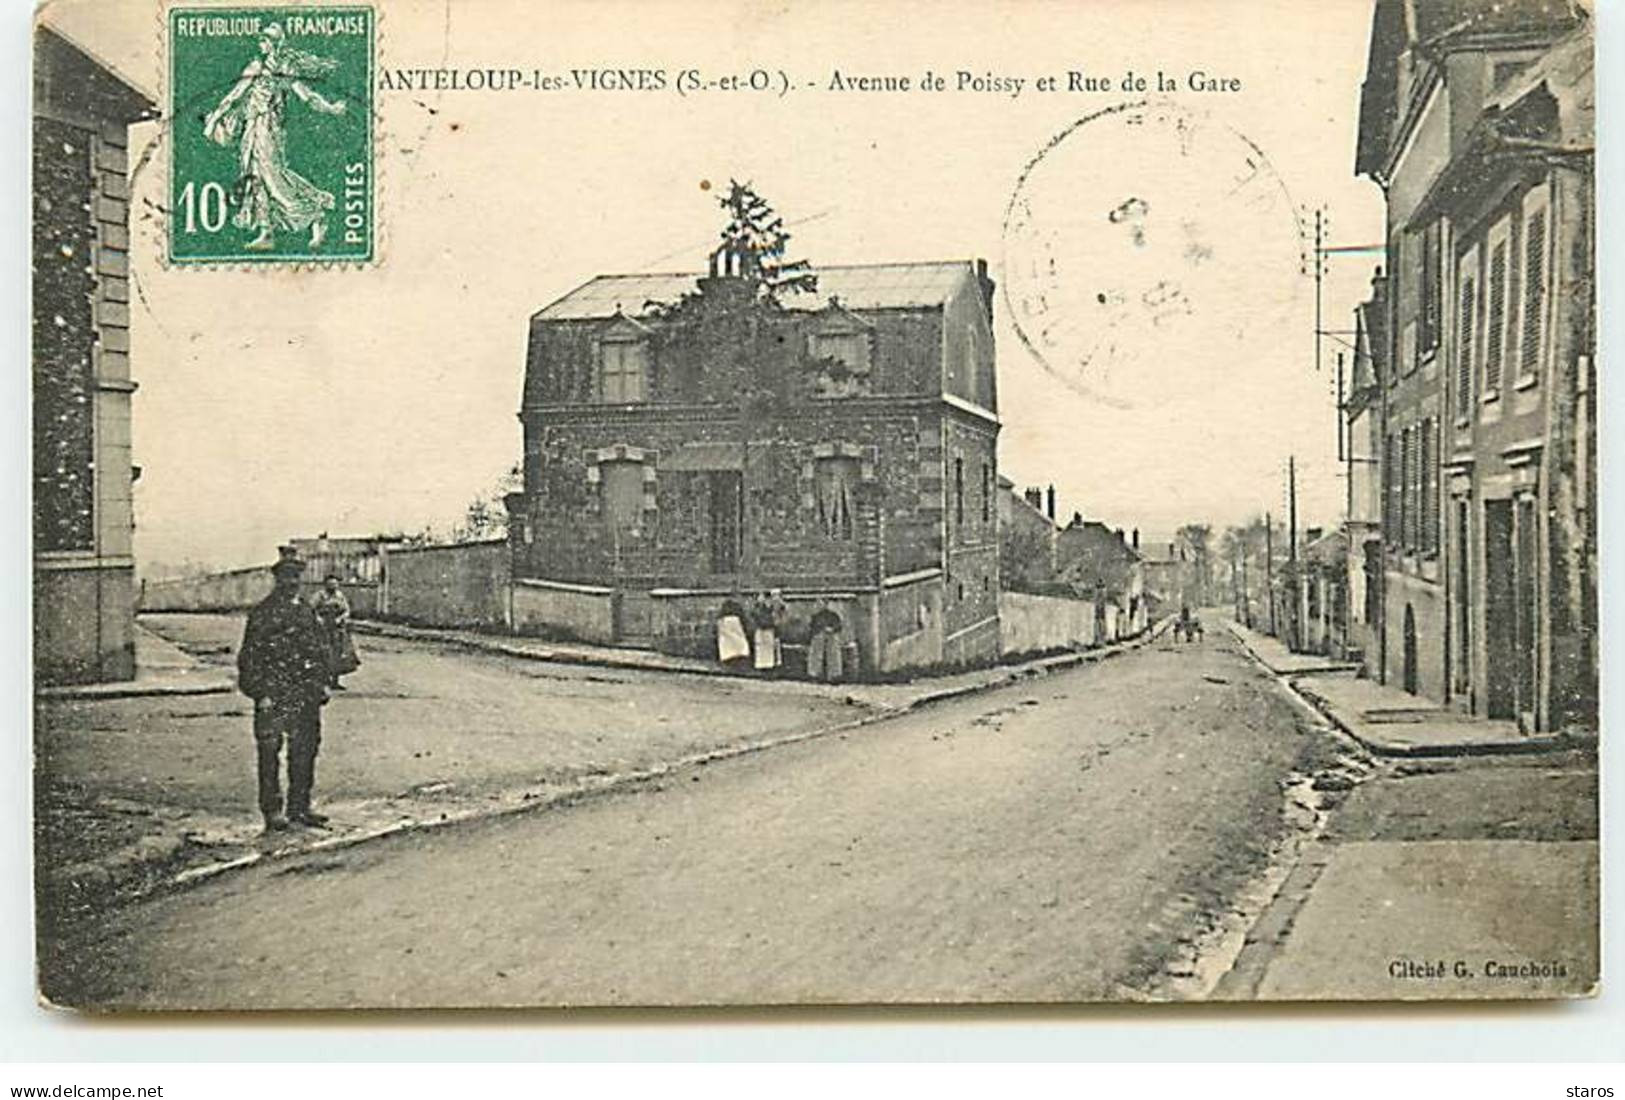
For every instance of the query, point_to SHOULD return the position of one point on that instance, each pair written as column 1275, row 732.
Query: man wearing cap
column 283, row 667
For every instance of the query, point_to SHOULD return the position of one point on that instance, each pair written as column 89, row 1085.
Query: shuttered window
column 1534, row 291
column 621, row 483
column 625, row 371
column 1432, row 311
column 1464, row 340
column 1428, row 476
column 1390, row 498
column 1407, row 481
column 835, row 482
column 1495, row 309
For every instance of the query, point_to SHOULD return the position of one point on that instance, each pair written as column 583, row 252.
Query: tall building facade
column 84, row 565
column 1477, row 119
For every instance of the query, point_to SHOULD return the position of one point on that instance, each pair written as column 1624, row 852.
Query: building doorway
column 726, row 499
column 1409, row 668
column 1500, row 618
column 1464, row 602
column 1526, row 568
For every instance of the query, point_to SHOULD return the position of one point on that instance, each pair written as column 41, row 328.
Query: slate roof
column 1438, row 26
column 66, row 73
column 867, row 286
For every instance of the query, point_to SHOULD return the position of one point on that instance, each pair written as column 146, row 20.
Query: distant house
column 1027, row 540
column 684, row 441
column 1171, row 576
column 84, row 565
column 1323, row 597
column 1099, row 564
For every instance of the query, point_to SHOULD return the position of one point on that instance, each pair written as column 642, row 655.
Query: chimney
column 986, row 286
column 1136, row 537
column 1035, row 497
column 1120, row 539
column 1050, row 510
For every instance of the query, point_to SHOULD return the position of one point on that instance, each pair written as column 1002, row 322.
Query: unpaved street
column 1051, row 840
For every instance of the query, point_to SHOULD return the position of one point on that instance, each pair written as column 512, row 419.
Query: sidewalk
column 1465, row 919
column 162, row 668
column 1383, row 718
column 1276, row 657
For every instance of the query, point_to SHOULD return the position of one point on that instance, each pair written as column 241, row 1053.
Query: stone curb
column 136, row 862
column 609, row 658
column 135, row 689
column 1360, row 731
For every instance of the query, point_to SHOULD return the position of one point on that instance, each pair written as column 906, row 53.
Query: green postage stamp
column 271, row 135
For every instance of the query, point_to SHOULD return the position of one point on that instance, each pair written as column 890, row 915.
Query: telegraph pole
column 1320, row 244
column 1295, row 615
column 1246, row 588
column 1292, row 508
column 1269, row 569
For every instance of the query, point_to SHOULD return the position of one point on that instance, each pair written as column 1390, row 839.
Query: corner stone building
column 84, row 569
column 685, row 439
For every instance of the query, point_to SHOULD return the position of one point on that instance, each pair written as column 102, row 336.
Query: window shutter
column 1534, row 291
column 1430, row 486
column 1464, row 337
column 1412, row 486
column 1432, row 269
column 1495, row 309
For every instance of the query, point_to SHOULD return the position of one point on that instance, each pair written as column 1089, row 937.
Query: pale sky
column 279, row 403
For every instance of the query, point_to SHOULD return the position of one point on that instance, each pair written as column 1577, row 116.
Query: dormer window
column 850, row 349
column 623, row 369
column 841, row 344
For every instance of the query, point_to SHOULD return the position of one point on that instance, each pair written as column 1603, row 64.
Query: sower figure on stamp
column 271, row 195
column 283, row 666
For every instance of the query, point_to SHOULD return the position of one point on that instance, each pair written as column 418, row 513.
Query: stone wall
column 231, row 591
column 1039, row 624
column 461, row 585
column 557, row 610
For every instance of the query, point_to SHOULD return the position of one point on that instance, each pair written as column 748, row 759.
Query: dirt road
column 1049, row 841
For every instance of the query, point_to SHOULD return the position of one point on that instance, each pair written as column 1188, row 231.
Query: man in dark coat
column 283, row 666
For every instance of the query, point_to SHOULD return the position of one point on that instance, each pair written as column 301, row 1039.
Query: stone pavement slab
column 1276, row 657
column 162, row 668
column 1395, row 723
column 1383, row 718
column 1449, row 919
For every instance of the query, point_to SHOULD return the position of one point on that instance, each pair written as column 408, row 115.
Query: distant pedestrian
column 825, row 647
column 768, row 615
column 733, row 644
column 283, row 666
column 333, row 612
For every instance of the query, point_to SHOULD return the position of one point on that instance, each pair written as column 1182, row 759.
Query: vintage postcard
column 718, row 503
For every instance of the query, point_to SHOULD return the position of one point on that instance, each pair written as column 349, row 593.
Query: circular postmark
column 1146, row 245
